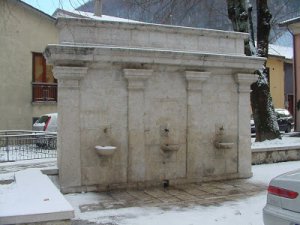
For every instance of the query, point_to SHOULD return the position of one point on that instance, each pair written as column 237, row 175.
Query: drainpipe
column 98, row 8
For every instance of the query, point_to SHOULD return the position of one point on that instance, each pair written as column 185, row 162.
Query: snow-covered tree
column 239, row 12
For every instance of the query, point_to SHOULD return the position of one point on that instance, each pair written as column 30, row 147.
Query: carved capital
column 196, row 79
column 69, row 73
column 136, row 78
column 69, row 76
column 244, row 81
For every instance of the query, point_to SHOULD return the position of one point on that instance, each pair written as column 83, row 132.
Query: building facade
column 294, row 27
column 280, row 67
column 27, row 86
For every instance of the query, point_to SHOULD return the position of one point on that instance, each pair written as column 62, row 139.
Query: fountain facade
column 171, row 103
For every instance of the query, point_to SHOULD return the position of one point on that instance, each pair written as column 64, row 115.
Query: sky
column 49, row 6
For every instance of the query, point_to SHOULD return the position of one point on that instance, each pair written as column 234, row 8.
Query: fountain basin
column 224, row 145
column 105, row 150
column 169, row 147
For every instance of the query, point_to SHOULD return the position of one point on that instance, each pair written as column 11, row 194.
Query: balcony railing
column 44, row 92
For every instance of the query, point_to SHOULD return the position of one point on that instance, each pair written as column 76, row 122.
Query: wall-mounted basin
column 169, row 147
column 224, row 145
column 105, row 150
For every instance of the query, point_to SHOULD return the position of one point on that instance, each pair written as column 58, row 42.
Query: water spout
column 220, row 142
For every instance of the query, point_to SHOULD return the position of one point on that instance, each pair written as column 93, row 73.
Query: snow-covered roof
column 290, row 21
column 88, row 15
column 281, row 51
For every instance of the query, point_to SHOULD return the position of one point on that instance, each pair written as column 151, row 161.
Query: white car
column 283, row 200
column 47, row 123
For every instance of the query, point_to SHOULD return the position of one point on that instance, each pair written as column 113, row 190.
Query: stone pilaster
column 68, row 108
column 244, row 111
column 195, row 82
column 136, row 139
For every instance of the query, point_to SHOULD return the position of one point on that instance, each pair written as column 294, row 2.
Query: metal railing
column 16, row 145
column 44, row 92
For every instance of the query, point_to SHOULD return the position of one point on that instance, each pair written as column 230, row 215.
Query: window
column 44, row 85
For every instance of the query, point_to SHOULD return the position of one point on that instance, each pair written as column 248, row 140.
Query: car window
column 42, row 119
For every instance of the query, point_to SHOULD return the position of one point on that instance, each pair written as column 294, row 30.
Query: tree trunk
column 239, row 17
column 263, row 26
column 261, row 102
column 263, row 111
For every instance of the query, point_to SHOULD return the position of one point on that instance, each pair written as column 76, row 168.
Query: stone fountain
column 171, row 103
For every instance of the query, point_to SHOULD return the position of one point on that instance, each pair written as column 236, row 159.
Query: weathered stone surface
column 273, row 155
column 140, row 35
column 164, row 96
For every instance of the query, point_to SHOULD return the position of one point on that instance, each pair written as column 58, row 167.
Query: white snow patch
column 32, row 194
column 244, row 212
column 28, row 162
column 283, row 51
column 284, row 142
column 89, row 15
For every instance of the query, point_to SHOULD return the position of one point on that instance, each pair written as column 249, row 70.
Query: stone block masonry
column 174, row 101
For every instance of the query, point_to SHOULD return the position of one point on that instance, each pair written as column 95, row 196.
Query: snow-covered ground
column 32, row 194
column 285, row 141
column 246, row 211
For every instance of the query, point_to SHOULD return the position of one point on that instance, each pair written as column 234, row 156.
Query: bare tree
column 261, row 101
column 197, row 13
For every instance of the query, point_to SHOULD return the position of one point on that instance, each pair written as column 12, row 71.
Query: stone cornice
column 66, row 54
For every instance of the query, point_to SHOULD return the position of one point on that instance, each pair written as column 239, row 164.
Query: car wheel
column 288, row 129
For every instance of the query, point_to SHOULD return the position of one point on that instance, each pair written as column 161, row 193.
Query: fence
column 18, row 145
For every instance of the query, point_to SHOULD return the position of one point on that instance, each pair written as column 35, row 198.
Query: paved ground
column 184, row 195
column 181, row 196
